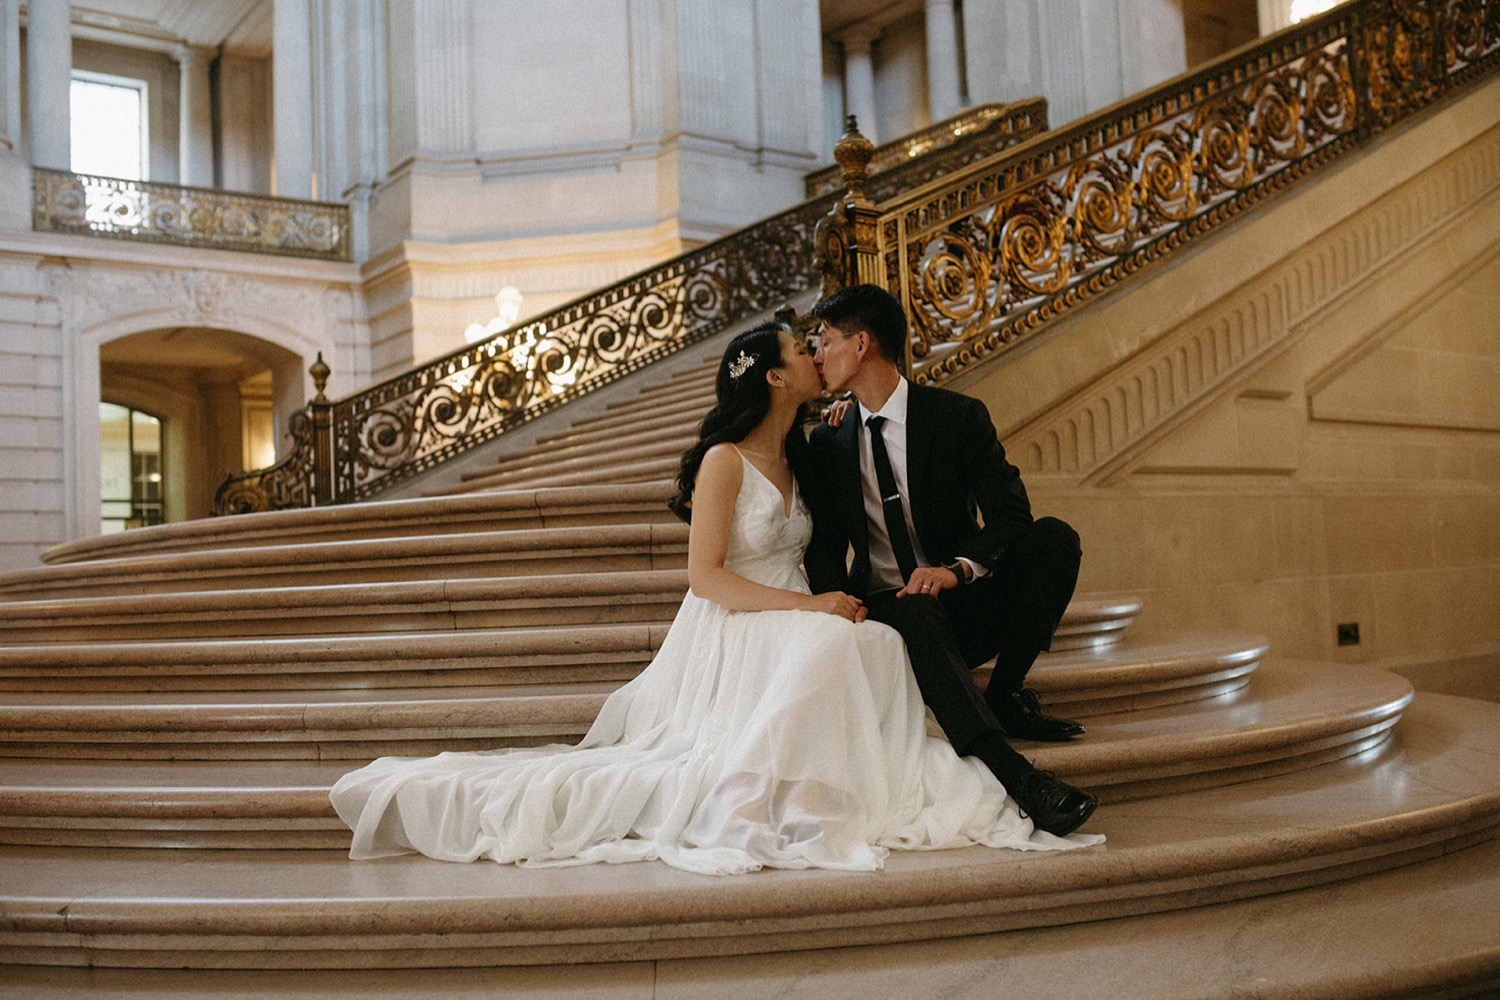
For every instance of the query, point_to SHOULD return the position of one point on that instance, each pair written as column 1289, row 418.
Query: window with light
column 109, row 126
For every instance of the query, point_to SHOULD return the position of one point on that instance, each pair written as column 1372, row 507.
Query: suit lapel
column 848, row 442
column 921, row 422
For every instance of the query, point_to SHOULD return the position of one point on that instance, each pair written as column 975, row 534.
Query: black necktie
column 890, row 501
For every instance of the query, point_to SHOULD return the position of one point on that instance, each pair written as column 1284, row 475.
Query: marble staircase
column 175, row 703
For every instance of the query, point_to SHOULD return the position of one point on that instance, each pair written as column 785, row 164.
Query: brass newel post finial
column 320, row 372
column 852, row 153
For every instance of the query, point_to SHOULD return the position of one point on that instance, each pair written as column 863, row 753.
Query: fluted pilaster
column 10, row 74
column 292, row 97
column 784, row 33
column 445, row 117
column 49, row 65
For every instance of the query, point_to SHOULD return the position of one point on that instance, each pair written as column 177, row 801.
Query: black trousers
column 1010, row 615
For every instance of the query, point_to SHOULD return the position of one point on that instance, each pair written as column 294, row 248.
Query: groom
column 899, row 478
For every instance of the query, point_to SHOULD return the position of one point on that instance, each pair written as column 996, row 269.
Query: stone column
column 1273, row 15
column 49, row 66
column 10, row 75
column 291, row 86
column 195, row 150
column 859, row 78
column 942, row 60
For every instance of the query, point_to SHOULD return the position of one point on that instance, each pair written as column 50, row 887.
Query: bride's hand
column 835, row 602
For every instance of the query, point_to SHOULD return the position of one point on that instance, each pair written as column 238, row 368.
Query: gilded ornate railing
column 411, row 423
column 1020, row 120
column 200, row 217
column 1001, row 249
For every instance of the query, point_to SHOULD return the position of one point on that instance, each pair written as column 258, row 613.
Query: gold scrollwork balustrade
column 150, row 212
column 409, row 424
column 1006, row 247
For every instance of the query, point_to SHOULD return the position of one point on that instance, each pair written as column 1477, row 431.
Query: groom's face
column 838, row 355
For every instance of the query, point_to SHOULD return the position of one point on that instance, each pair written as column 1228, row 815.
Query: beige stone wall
column 1296, row 426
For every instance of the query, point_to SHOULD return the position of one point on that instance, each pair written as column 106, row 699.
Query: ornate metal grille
column 202, row 217
column 1004, row 248
column 415, row 421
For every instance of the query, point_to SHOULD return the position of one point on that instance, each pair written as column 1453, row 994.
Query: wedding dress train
column 786, row 739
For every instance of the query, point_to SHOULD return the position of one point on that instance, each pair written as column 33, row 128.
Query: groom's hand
column 929, row 580
column 833, row 415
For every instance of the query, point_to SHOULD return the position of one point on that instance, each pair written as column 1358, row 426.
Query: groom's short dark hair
column 872, row 309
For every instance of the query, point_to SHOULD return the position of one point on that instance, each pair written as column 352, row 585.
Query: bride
column 775, row 728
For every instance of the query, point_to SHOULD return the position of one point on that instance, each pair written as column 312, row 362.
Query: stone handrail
column 151, row 212
column 355, row 447
column 1004, row 248
column 1021, row 119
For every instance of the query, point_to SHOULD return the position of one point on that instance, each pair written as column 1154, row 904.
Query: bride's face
column 801, row 375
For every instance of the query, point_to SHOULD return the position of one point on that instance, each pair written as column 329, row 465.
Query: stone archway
column 220, row 394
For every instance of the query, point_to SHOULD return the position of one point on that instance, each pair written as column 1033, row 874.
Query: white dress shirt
column 884, row 572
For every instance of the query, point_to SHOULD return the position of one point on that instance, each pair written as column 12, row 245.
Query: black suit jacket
column 955, row 466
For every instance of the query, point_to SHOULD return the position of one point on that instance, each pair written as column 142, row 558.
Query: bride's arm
column 714, row 495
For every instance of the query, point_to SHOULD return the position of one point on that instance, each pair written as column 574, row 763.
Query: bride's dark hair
column 744, row 399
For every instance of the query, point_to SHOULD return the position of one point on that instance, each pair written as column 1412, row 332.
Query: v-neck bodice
column 766, row 539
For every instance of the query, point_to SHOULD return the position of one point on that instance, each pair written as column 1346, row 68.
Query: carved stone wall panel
column 1102, row 427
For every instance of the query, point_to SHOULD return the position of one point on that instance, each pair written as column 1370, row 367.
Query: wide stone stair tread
column 430, row 605
column 1428, row 794
column 1143, row 671
column 516, row 551
column 628, row 469
column 691, row 404
column 663, row 424
column 492, row 657
column 441, row 514
column 527, row 655
column 348, row 724
column 1297, row 720
column 591, row 460
column 1454, row 898
column 572, row 451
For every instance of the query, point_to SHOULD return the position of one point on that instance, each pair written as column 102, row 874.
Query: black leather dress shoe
column 1020, row 715
column 1053, row 805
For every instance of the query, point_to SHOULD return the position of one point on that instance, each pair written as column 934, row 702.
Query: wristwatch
column 958, row 569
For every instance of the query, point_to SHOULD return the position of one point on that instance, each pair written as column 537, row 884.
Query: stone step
column 1421, row 931
column 624, row 412
column 593, row 460
column 515, row 552
column 352, row 609
column 609, row 504
column 1144, row 671
column 488, row 657
column 220, row 788
column 675, row 438
column 670, row 423
column 659, row 472
column 498, row 657
column 1428, row 794
column 295, row 725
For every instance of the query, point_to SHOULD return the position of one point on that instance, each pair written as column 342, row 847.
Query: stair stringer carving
column 1104, row 427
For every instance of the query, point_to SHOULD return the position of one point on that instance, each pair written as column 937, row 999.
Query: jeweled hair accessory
column 740, row 365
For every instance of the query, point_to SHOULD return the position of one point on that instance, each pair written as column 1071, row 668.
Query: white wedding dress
column 780, row 739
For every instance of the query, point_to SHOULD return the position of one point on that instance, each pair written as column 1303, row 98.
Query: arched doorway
column 222, row 399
